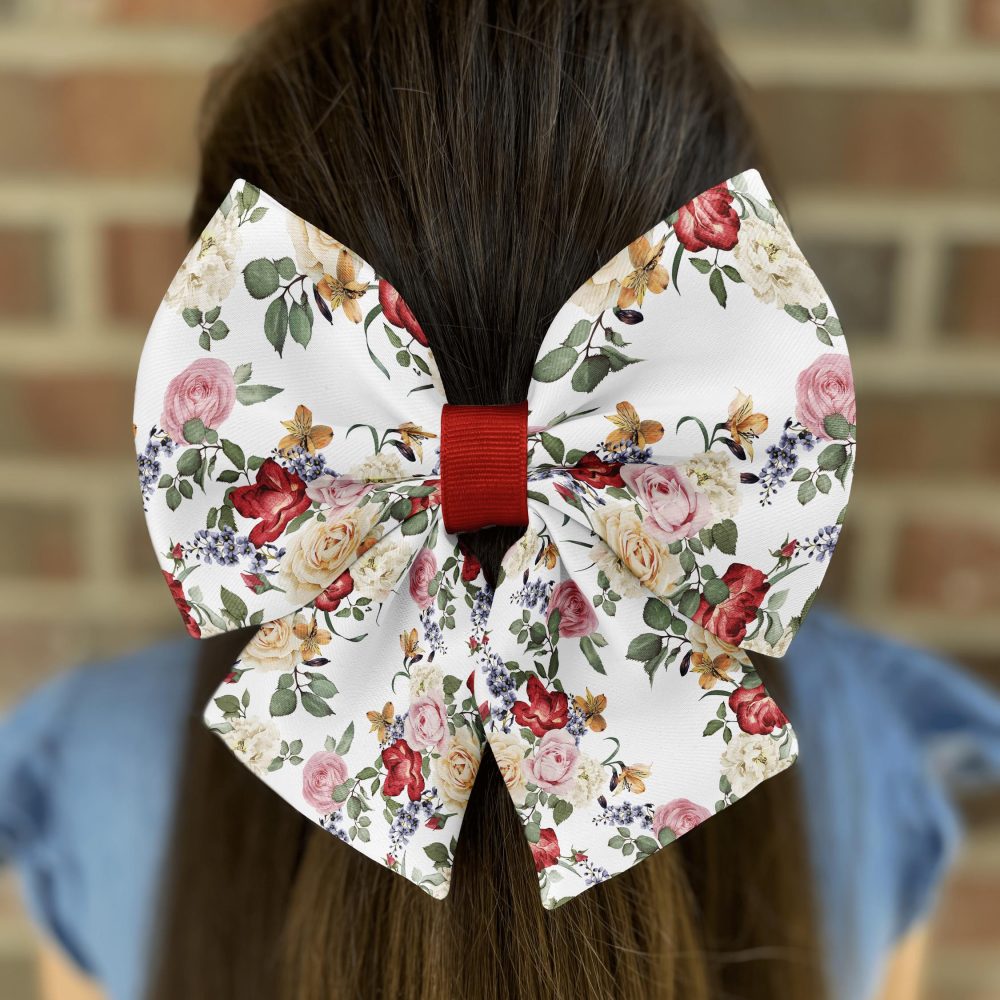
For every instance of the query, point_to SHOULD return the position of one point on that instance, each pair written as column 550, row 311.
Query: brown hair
column 486, row 156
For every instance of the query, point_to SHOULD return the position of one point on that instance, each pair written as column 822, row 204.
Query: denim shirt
column 887, row 734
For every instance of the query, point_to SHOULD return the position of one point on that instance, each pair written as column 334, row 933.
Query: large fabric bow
column 686, row 453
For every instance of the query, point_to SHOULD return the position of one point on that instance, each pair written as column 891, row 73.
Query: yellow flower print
column 343, row 289
column 649, row 275
column 743, row 424
column 312, row 637
column 629, row 429
column 409, row 645
column 592, row 706
column 632, row 778
column 302, row 433
column 711, row 670
column 414, row 436
column 549, row 555
column 381, row 721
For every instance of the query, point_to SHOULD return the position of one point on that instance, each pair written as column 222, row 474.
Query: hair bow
column 681, row 466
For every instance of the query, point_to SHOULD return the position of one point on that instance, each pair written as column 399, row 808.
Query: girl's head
column 486, row 157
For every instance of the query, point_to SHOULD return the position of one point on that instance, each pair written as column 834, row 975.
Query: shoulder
column 887, row 734
column 87, row 766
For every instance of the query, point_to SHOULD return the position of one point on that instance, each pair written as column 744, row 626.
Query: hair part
column 486, row 157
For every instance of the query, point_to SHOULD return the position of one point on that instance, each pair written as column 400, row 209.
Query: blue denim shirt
column 88, row 767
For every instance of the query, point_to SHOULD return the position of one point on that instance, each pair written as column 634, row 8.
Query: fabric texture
column 690, row 444
column 882, row 751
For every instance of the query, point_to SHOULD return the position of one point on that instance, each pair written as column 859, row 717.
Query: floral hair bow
column 681, row 466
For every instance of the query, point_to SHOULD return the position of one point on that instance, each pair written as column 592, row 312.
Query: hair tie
column 681, row 466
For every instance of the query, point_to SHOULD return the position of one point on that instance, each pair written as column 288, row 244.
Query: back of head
column 486, row 157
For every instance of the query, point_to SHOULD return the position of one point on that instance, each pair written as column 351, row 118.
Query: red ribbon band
column 484, row 466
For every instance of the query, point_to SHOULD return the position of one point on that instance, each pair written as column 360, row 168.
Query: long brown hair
column 486, row 156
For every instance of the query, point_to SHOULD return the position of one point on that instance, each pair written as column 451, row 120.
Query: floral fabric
column 691, row 441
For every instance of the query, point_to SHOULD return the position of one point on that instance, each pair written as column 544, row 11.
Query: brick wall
column 881, row 118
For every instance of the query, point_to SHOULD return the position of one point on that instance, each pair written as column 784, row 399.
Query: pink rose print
column 205, row 390
column 709, row 221
column 422, row 571
column 552, row 765
column 756, row 711
column 321, row 774
column 675, row 507
column 426, row 723
column 729, row 618
column 577, row 616
column 825, row 388
column 338, row 493
column 546, row 852
column 546, row 709
column 680, row 816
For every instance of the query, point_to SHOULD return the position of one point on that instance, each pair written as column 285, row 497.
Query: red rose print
column 398, row 313
column 330, row 599
column 471, row 567
column 577, row 616
column 403, row 765
column 276, row 497
column 591, row 470
column 756, row 711
column 546, row 709
column 788, row 549
column 729, row 618
column 177, row 593
column 709, row 221
column 546, row 851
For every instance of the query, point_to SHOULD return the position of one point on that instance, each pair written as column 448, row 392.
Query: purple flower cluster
column 534, row 594
column 821, row 547
column 577, row 724
column 782, row 459
column 626, row 814
column 481, row 607
column 433, row 635
column 148, row 461
column 305, row 465
column 407, row 821
column 334, row 823
column 500, row 684
column 223, row 547
column 594, row 873
column 630, row 454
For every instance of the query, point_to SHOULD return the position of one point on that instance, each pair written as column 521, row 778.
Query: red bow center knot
column 484, row 466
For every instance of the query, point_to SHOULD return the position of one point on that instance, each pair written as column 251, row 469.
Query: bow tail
column 618, row 724
column 357, row 709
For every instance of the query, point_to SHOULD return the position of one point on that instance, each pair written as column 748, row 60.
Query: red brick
column 984, row 19
column 895, row 140
column 952, row 569
column 231, row 15
column 126, row 123
column 52, row 416
column 972, row 304
column 101, row 123
column 929, row 435
column 27, row 112
column 42, row 541
column 140, row 260
column 28, row 288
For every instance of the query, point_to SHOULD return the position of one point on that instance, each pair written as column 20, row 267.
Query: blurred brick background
column 882, row 118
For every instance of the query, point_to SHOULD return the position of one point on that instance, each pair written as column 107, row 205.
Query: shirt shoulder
column 87, row 777
column 888, row 736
